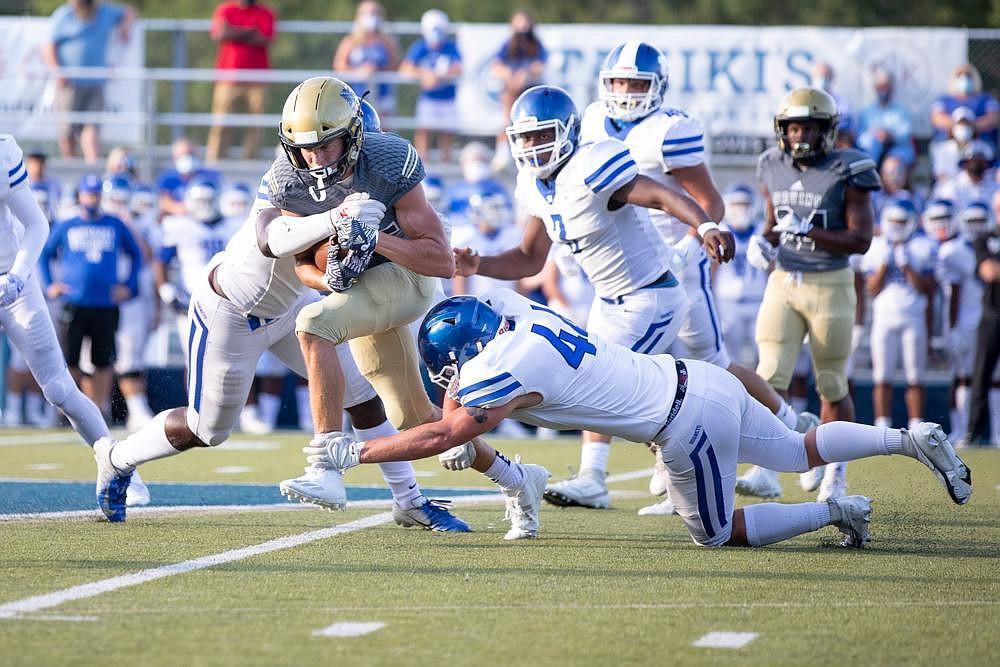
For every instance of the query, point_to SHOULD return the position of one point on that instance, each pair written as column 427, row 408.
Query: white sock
column 846, row 441
column 913, row 423
column 507, row 474
column 799, row 403
column 788, row 416
column 963, row 393
column 767, row 523
column 594, row 456
column 302, row 407
column 883, row 422
column 268, row 406
column 138, row 407
column 397, row 474
column 13, row 408
column 147, row 444
column 994, row 399
column 84, row 417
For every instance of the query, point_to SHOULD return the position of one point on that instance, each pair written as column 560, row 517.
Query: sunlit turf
column 598, row 587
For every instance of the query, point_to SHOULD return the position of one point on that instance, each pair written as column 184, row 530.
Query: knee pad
column 59, row 388
column 832, row 386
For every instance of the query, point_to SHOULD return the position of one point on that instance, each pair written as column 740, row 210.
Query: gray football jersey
column 387, row 168
column 815, row 194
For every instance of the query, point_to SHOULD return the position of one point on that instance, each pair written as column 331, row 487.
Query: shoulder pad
column 392, row 158
column 484, row 384
column 12, row 162
column 608, row 166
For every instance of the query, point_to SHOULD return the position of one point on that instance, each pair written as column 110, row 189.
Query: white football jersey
column 196, row 243
column 898, row 296
column 13, row 176
column 257, row 285
column 584, row 382
column 665, row 140
column 618, row 249
column 957, row 266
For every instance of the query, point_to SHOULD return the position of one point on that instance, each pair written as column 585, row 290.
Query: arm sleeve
column 24, row 207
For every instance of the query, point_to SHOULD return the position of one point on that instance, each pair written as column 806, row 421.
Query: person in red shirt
column 244, row 30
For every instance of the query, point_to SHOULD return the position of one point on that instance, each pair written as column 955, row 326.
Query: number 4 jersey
column 584, row 382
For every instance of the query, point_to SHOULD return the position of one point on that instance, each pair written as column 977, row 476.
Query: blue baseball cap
column 90, row 183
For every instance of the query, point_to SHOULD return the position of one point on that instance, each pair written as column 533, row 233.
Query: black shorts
column 97, row 324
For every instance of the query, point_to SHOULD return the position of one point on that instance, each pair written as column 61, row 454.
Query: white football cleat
column 806, row 420
column 662, row 508
column 759, row 482
column 112, row 483
column 429, row 515
column 587, row 489
column 855, row 515
column 834, row 484
column 811, row 479
column 319, row 486
column 251, row 423
column 934, row 450
column 138, row 492
column 658, row 481
column 523, row 503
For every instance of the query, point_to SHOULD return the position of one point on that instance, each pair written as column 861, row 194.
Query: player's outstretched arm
column 527, row 259
column 426, row 249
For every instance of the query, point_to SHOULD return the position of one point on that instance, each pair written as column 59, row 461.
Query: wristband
column 706, row 227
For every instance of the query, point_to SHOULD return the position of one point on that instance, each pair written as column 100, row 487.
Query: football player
column 818, row 213
column 899, row 268
column 244, row 302
column 24, row 314
column 511, row 357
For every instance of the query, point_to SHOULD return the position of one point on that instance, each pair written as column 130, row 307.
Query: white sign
column 26, row 105
column 730, row 76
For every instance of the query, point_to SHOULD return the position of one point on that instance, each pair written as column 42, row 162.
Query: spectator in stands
column 121, row 162
column 946, row 154
column 80, row 33
column 477, row 178
column 244, row 29
column 899, row 268
column 187, row 168
column 365, row 51
column 519, row 65
column 87, row 248
column 885, row 128
column 435, row 61
column 966, row 90
column 36, row 165
column 975, row 182
column 822, row 78
column 984, row 404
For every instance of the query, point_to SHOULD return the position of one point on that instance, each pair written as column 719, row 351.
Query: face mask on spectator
column 434, row 36
column 185, row 164
column 475, row 171
column 884, row 95
column 370, row 22
column 976, row 168
column 964, row 84
column 962, row 132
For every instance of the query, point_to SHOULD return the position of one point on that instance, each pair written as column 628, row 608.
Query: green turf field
column 598, row 587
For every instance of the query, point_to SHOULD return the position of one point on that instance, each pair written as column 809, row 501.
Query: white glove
column 458, row 458
column 684, row 251
column 357, row 208
column 788, row 221
column 10, row 288
column 900, row 257
column 760, row 253
column 336, row 450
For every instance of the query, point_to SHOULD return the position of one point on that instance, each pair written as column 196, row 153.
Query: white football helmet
column 938, row 219
column 639, row 61
column 898, row 220
column 974, row 221
column 740, row 200
column 201, row 201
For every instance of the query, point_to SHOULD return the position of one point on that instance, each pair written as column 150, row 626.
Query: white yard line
column 627, row 476
column 725, row 639
column 93, row 589
column 349, row 629
column 40, row 439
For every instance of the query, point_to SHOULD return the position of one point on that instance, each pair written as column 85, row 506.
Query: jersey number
column 559, row 228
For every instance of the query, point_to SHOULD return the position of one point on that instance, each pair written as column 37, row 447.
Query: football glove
column 357, row 208
column 458, row 458
column 10, row 288
column 336, row 450
column 760, row 253
column 685, row 250
column 788, row 221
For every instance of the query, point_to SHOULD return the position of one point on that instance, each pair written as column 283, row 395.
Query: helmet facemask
column 541, row 160
column 806, row 106
column 630, row 106
column 898, row 224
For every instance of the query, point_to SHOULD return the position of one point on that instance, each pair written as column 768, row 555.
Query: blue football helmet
column 639, row 61
column 370, row 121
column 740, row 201
column 454, row 331
column 975, row 220
column 116, row 195
column 144, row 200
column 433, row 189
column 898, row 219
column 201, row 201
column 538, row 109
column 235, row 200
column 938, row 219
column 489, row 210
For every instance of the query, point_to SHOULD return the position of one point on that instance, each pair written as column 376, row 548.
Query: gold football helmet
column 317, row 111
column 805, row 104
